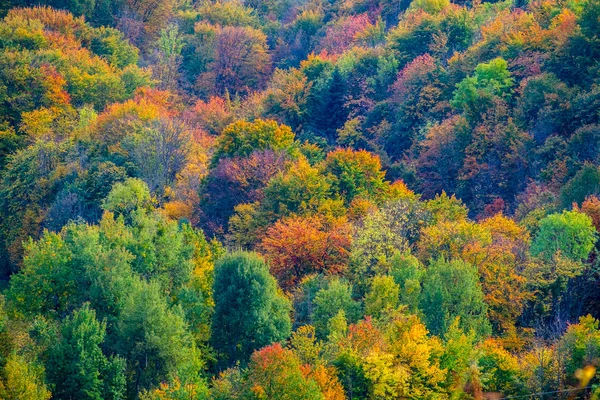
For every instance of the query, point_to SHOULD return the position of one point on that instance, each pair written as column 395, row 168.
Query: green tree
column 570, row 233
column 459, row 358
column 329, row 301
column 154, row 339
column 300, row 190
column 76, row 365
column 586, row 182
column 450, row 290
column 580, row 346
column 383, row 233
column 475, row 94
column 408, row 272
column 383, row 296
column 250, row 311
column 128, row 196
column 355, row 174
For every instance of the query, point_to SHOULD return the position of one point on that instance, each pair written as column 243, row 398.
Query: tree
column 296, row 247
column 147, row 16
column 383, row 297
column 450, row 290
column 441, row 156
column 76, row 364
column 23, row 380
column 475, row 94
column 341, row 35
column 326, row 106
column 127, row 197
column 399, row 360
column 176, row 390
column 241, row 61
column 580, row 346
column 591, row 208
column 561, row 248
column 275, row 373
column 249, row 310
column 242, row 138
column 451, row 239
column 168, row 57
column 407, row 272
column 23, row 198
column 234, row 181
column 381, row 234
column 154, row 339
column 160, row 150
column 500, row 369
column 63, row 271
column 301, row 190
column 501, row 266
column 47, row 270
column 328, row 303
column 417, row 98
column 458, row 360
column 355, row 174
column 571, row 234
column 586, row 182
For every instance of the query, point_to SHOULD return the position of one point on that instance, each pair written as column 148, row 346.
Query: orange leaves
column 56, row 20
column 591, row 207
column 563, row 26
column 165, row 101
column 364, row 337
column 299, row 246
column 499, row 264
column 275, row 371
column 211, row 116
column 328, row 382
column 55, row 86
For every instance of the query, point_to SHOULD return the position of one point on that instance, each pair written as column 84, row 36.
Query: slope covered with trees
column 299, row 199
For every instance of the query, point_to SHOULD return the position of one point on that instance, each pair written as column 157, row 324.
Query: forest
column 299, row 199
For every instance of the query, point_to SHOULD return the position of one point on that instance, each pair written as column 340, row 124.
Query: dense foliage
column 299, row 199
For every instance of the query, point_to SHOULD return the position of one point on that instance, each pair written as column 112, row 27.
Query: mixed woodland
column 299, row 199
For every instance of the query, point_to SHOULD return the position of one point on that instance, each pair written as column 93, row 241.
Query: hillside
column 299, row 199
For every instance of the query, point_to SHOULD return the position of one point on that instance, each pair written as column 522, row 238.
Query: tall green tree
column 76, row 364
column 250, row 311
column 328, row 303
column 451, row 289
column 154, row 339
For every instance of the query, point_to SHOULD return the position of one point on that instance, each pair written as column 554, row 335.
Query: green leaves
column 153, row 338
column 569, row 234
column 76, row 364
column 450, row 290
column 250, row 312
column 491, row 80
column 126, row 197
